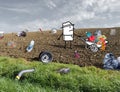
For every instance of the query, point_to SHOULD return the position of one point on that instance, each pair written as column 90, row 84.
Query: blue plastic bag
column 110, row 62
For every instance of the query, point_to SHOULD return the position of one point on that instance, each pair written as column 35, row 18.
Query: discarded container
column 88, row 34
column 113, row 32
column 45, row 57
column 30, row 46
column 53, row 31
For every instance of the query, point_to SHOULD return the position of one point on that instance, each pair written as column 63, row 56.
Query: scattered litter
column 24, row 71
column 40, row 30
column 96, row 41
column 11, row 44
column 22, row 33
column 91, row 38
column 30, row 46
column 76, row 54
column 110, row 62
column 88, row 34
column 1, row 34
column 98, row 33
column 54, row 30
column 45, row 57
column 64, row 70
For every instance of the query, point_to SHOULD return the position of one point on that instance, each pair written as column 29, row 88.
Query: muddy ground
column 46, row 41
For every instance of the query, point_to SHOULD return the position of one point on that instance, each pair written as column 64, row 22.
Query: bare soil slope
column 46, row 41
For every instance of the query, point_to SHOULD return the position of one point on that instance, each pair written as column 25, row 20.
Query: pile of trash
column 96, row 39
column 110, row 62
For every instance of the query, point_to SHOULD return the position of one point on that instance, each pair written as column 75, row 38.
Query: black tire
column 93, row 48
column 45, row 57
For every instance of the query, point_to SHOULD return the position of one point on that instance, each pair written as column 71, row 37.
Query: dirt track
column 45, row 41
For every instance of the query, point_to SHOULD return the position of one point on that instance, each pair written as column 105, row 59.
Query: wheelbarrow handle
column 83, row 39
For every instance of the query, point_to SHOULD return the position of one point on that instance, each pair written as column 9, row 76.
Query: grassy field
column 46, row 77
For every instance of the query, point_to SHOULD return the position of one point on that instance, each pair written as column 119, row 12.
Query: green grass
column 45, row 78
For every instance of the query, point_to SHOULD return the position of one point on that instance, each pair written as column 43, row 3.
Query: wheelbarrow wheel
column 45, row 57
column 93, row 48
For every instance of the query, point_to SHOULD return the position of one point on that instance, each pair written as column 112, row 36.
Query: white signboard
column 68, row 29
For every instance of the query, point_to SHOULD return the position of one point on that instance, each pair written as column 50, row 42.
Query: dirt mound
column 46, row 41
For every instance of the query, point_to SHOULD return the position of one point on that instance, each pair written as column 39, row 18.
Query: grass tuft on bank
column 46, row 77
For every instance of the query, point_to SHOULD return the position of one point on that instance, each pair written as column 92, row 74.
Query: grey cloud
column 47, row 14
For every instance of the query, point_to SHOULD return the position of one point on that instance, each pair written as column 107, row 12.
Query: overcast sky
column 17, row 15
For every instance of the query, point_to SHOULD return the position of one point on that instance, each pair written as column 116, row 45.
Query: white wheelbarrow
column 94, row 47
